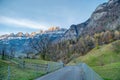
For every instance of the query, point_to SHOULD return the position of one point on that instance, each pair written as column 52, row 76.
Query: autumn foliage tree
column 69, row 49
column 116, row 35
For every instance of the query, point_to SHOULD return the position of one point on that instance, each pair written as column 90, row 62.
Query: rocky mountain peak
column 12, row 35
column 105, row 17
column 27, row 34
column 19, row 34
column 53, row 28
column 113, row 1
column 33, row 34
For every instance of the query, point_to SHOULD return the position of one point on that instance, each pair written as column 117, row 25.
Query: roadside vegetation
column 17, row 73
column 105, row 60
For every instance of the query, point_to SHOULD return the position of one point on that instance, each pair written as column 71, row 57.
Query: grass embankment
column 17, row 73
column 109, row 71
column 104, row 60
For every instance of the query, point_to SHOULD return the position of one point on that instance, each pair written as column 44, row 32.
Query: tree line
column 64, row 50
column 70, row 49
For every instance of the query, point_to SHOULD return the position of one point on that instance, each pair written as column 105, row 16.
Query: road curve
column 66, row 73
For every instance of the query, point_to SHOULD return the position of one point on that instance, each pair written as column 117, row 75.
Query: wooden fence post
column 8, row 77
column 62, row 64
column 23, row 64
column 48, row 68
column 36, row 69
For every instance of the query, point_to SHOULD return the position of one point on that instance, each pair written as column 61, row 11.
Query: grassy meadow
column 104, row 60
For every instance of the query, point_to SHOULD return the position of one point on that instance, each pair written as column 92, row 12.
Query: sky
column 34, row 15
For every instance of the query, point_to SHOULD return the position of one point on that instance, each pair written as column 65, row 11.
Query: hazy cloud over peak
column 21, row 23
column 31, row 15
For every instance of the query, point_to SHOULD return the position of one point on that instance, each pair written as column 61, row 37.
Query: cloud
column 22, row 23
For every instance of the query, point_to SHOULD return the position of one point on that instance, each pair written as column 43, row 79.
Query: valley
column 32, row 51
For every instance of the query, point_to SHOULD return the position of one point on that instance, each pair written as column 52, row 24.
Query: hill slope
column 104, row 60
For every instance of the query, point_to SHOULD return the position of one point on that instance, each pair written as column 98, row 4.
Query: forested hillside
column 70, row 49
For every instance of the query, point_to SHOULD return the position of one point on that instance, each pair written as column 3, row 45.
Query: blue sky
column 33, row 15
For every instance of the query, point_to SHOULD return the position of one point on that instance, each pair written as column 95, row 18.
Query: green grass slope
column 109, row 71
column 105, row 61
column 17, row 73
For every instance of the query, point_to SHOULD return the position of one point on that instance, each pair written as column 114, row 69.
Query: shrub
column 116, row 47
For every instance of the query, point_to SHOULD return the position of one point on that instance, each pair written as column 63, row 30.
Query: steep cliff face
column 74, row 31
column 105, row 17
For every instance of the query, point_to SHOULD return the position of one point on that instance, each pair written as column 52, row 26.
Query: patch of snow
column 111, row 2
column 100, row 7
column 97, row 16
column 1, row 38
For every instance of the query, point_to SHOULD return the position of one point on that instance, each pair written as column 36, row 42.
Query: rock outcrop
column 105, row 17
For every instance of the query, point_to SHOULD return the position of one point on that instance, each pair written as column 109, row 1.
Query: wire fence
column 25, row 71
column 50, row 67
column 87, row 73
column 7, row 73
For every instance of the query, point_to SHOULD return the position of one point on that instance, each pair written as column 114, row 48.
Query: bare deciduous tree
column 2, row 49
column 41, row 45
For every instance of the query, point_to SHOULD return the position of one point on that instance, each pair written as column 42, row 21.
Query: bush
column 116, row 47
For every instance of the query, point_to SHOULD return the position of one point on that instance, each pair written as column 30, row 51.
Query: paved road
column 66, row 73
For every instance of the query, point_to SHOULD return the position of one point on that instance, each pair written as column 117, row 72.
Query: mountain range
column 21, row 42
column 105, row 17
